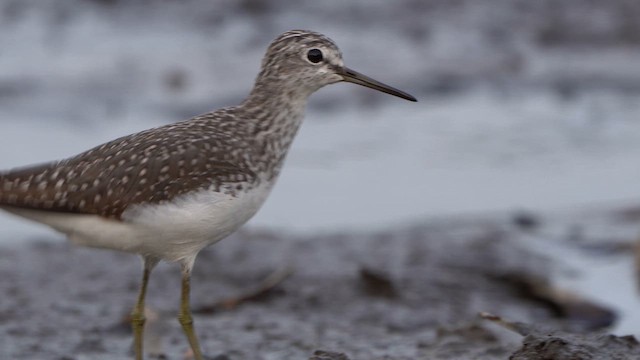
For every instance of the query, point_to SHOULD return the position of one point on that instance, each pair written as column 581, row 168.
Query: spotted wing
column 146, row 167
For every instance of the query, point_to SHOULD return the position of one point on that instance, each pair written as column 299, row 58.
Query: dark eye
column 314, row 55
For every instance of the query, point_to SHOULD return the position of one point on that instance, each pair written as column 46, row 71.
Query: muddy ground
column 412, row 292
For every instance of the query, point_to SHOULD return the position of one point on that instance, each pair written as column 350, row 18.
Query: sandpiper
column 168, row 192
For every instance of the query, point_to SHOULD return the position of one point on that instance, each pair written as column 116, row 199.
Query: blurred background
column 527, row 106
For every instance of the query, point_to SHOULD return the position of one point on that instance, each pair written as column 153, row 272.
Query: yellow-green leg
column 137, row 315
column 184, row 316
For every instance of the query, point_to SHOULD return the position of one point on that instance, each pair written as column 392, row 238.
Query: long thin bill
column 355, row 77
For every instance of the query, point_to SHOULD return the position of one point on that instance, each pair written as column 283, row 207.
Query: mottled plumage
column 152, row 166
column 168, row 192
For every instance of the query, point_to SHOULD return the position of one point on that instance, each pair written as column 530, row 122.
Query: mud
column 409, row 293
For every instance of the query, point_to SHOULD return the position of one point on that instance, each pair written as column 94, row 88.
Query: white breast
column 171, row 231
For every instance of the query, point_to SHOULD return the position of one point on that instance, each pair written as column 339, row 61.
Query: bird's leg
column 184, row 316
column 137, row 315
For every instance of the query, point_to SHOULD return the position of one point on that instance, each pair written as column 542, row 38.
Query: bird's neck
column 275, row 115
column 271, row 93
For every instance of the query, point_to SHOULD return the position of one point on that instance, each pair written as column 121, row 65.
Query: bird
column 168, row 192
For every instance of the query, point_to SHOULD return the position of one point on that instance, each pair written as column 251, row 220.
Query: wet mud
column 413, row 292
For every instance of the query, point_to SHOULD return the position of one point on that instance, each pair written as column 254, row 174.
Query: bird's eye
column 314, row 55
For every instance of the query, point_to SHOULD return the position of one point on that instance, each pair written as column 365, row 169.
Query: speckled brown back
column 152, row 166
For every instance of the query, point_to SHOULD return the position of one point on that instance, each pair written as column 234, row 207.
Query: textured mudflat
column 409, row 293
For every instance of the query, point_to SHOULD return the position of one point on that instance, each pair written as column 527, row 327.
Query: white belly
column 172, row 231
